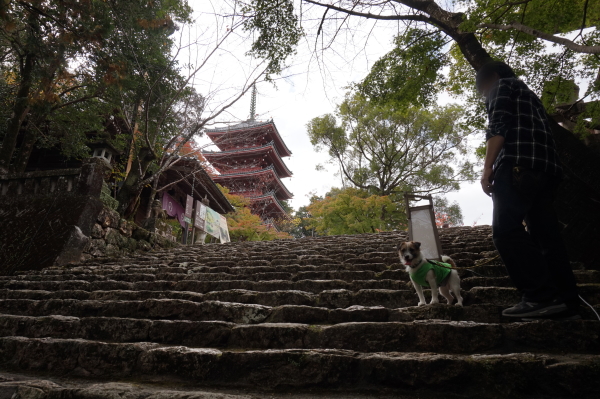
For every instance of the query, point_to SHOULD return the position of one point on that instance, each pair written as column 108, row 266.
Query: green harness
column 441, row 273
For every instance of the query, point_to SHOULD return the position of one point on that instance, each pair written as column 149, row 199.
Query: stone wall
column 112, row 236
column 47, row 216
column 578, row 197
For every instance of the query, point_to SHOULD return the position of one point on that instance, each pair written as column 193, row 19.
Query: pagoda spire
column 253, row 103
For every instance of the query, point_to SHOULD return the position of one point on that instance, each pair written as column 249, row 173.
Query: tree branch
column 416, row 17
column 571, row 45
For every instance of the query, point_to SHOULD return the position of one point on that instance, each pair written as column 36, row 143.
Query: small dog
column 423, row 273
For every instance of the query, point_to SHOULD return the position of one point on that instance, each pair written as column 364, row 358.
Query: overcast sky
column 311, row 88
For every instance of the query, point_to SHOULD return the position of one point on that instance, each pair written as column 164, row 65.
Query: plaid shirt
column 517, row 114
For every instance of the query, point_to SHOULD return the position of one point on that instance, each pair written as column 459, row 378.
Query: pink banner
column 173, row 208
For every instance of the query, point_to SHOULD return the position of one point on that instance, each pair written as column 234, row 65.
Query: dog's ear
column 401, row 245
column 417, row 244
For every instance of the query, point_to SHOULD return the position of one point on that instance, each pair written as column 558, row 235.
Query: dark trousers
column 536, row 258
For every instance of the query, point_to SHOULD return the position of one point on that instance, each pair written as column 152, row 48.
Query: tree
column 301, row 222
column 243, row 225
column 447, row 213
column 169, row 115
column 37, row 40
column 355, row 211
column 386, row 149
column 74, row 67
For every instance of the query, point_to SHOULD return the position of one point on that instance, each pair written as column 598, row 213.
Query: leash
column 465, row 268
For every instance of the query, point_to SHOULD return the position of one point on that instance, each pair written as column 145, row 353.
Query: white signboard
column 422, row 231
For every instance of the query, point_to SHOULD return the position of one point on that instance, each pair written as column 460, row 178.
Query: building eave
column 248, row 126
column 247, row 152
column 270, row 170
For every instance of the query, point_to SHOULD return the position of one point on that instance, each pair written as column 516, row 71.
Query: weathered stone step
column 380, row 272
column 25, row 387
column 128, row 304
column 490, row 375
column 507, row 295
column 314, row 286
column 582, row 276
column 344, row 275
column 32, row 301
column 257, row 273
column 424, row 336
column 148, row 309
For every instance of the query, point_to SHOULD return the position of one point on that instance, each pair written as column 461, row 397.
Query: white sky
column 312, row 89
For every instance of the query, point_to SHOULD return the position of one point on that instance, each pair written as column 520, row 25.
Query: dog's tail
column 449, row 260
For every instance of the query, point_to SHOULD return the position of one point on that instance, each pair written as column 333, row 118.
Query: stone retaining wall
column 47, row 216
column 112, row 236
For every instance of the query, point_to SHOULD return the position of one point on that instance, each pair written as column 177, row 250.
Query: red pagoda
column 250, row 164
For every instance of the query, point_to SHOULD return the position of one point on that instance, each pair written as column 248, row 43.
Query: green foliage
column 558, row 91
column 90, row 59
column 302, row 223
column 446, row 212
column 410, row 73
column 387, row 149
column 277, row 28
column 396, row 77
column 542, row 69
column 355, row 211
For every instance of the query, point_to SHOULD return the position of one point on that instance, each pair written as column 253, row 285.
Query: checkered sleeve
column 500, row 109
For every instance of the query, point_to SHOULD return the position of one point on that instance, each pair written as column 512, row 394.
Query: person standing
column 521, row 173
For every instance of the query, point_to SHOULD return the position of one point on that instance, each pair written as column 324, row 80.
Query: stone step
column 26, row 387
column 108, row 300
column 314, row 286
column 220, row 311
column 424, row 336
column 496, row 375
column 340, row 298
column 582, row 276
column 508, row 295
column 381, row 273
column 225, row 276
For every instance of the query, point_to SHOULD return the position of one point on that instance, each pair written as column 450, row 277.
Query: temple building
column 250, row 164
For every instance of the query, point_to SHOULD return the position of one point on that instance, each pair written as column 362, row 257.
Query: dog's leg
column 454, row 283
column 419, row 290
column 434, row 287
column 446, row 294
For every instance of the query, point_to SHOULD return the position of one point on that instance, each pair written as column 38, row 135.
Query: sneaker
column 566, row 315
column 535, row 309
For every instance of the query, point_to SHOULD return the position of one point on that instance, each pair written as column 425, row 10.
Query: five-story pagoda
column 250, row 164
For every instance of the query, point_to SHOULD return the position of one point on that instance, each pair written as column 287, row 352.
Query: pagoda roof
column 282, row 191
column 273, row 204
column 251, row 125
column 269, row 150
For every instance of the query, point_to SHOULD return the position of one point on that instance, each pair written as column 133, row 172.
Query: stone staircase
column 316, row 317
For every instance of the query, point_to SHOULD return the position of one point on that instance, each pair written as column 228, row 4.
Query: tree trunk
column 472, row 49
column 151, row 199
column 129, row 193
column 20, row 111
column 25, row 151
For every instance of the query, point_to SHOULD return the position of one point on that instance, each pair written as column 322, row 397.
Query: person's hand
column 487, row 180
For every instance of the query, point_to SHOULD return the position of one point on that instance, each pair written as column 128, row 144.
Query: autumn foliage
column 244, row 225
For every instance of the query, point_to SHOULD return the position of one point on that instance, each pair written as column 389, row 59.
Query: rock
column 143, row 245
column 131, row 245
column 97, row 231
column 125, row 227
column 108, row 218
column 139, row 233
